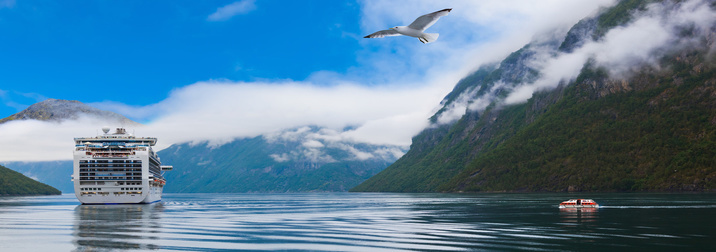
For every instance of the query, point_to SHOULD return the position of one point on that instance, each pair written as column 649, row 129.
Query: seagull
column 416, row 28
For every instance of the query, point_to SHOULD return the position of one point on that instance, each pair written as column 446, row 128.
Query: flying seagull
column 415, row 29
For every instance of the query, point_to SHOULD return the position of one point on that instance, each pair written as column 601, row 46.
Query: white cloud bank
column 219, row 111
column 386, row 100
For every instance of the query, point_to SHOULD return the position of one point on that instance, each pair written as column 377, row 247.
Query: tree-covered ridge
column 660, row 135
column 14, row 183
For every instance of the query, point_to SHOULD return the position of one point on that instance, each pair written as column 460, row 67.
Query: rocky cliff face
column 58, row 110
column 594, row 133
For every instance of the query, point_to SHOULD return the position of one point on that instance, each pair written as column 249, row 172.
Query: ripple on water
column 357, row 222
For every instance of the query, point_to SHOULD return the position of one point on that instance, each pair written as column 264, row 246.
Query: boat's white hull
column 583, row 206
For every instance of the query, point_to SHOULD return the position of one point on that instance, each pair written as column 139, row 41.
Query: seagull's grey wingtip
column 448, row 10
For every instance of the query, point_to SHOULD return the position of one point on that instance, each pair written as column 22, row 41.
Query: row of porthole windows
column 130, row 183
column 119, row 170
column 110, row 165
column 110, row 178
column 100, row 189
column 111, row 161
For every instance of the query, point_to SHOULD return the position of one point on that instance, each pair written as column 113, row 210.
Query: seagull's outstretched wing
column 383, row 33
column 425, row 21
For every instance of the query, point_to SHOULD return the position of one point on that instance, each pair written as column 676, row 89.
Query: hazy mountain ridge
column 297, row 160
column 57, row 110
column 534, row 146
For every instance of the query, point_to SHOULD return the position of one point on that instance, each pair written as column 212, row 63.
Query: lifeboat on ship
column 579, row 204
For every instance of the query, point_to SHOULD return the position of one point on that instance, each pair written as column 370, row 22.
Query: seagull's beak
column 392, row 28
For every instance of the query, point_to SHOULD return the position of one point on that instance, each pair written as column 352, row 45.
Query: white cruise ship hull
column 152, row 196
column 117, row 169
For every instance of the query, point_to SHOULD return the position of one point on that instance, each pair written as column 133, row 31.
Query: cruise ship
column 117, row 168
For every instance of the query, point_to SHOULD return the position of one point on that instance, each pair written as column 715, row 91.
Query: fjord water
column 361, row 222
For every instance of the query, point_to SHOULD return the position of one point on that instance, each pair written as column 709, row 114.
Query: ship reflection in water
column 579, row 215
column 109, row 227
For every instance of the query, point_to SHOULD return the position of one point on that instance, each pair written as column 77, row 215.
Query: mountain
column 53, row 173
column 646, row 125
column 14, row 183
column 59, row 110
column 298, row 160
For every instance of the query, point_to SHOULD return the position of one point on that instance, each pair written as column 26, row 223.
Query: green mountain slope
column 270, row 164
column 53, row 173
column 14, row 183
column 653, row 130
column 662, row 137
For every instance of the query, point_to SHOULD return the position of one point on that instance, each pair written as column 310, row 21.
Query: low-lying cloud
column 219, row 111
column 651, row 35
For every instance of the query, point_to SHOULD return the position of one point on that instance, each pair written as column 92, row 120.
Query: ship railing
column 111, row 150
column 113, row 178
column 110, row 156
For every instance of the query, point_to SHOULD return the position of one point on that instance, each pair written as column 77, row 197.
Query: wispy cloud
column 651, row 35
column 7, row 3
column 233, row 9
column 35, row 96
column 17, row 100
column 315, row 143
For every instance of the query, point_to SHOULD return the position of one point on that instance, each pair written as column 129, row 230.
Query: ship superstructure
column 117, row 168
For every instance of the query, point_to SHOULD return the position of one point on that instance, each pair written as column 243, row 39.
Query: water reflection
column 101, row 227
column 579, row 215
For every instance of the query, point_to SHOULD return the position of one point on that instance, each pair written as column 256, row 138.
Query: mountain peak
column 58, row 110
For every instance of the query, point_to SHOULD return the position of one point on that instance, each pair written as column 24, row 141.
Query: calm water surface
column 361, row 222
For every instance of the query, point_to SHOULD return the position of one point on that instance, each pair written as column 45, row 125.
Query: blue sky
column 194, row 71
column 136, row 52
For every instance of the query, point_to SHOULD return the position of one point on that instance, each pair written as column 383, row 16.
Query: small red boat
column 579, row 203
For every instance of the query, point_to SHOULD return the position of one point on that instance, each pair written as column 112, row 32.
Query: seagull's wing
column 425, row 21
column 383, row 33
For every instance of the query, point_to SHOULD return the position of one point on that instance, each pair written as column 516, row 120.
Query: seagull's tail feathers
column 428, row 37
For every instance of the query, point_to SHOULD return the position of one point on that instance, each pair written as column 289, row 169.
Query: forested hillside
column 14, row 183
column 651, row 127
